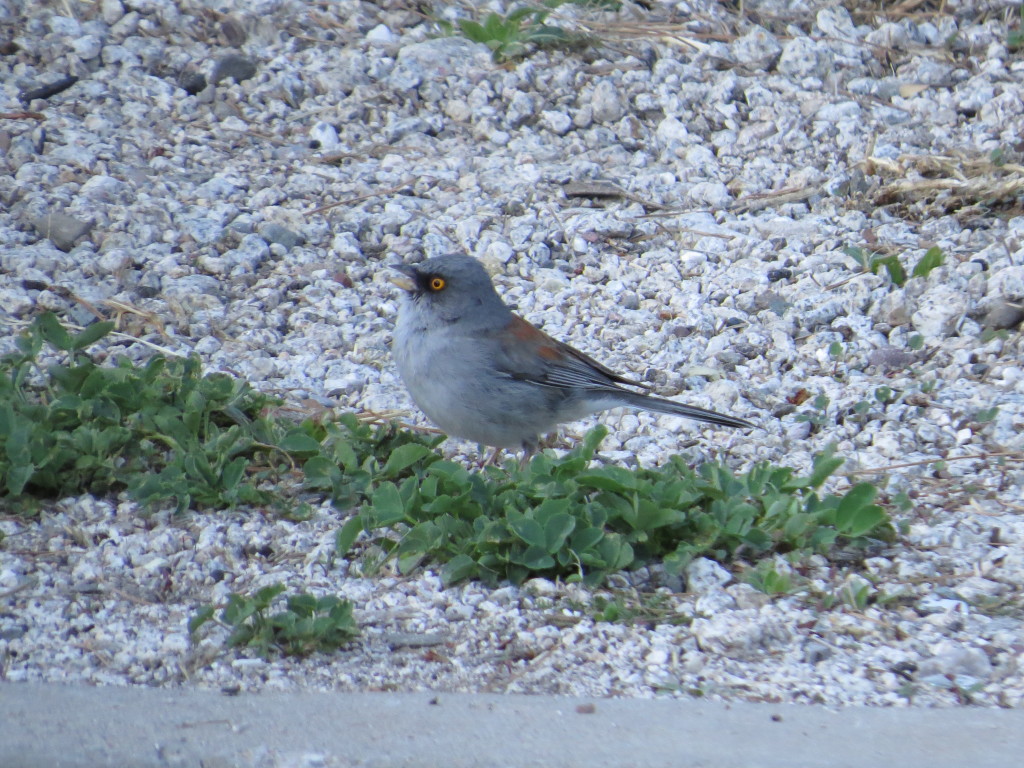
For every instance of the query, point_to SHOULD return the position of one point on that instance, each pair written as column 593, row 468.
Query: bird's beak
column 406, row 277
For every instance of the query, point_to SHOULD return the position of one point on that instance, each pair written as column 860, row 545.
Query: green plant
column 163, row 431
column 511, row 36
column 818, row 416
column 856, row 593
column 766, row 578
column 650, row 609
column 932, row 258
column 837, row 352
column 563, row 518
column 986, row 415
column 874, row 263
column 346, row 458
column 306, row 624
column 514, row 34
column 990, row 334
column 884, row 395
column 1015, row 37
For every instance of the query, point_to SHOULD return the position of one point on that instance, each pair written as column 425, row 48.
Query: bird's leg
column 492, row 458
column 529, row 448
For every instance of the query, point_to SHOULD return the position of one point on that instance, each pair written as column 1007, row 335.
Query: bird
column 482, row 373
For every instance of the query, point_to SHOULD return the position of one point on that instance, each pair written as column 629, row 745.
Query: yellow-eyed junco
column 482, row 373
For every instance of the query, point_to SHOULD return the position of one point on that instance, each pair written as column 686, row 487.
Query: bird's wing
column 529, row 354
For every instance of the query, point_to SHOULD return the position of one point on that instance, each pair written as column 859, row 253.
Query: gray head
column 452, row 288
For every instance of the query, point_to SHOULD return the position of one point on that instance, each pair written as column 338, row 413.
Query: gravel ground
column 228, row 178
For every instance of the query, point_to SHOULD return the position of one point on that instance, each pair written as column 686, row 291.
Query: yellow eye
column 436, row 283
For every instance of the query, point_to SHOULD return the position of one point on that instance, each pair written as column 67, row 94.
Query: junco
column 482, row 373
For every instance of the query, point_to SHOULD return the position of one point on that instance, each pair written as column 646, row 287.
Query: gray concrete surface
column 52, row 726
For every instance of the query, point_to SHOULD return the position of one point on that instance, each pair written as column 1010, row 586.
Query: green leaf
column 53, row 332
column 519, row 14
column 851, row 514
column 202, row 616
column 91, row 334
column 892, row 266
column 265, row 595
column 496, row 29
column 535, row 559
column 298, row 441
column 403, row 457
column 825, row 463
column 933, row 257
column 547, row 34
column 320, row 472
column 473, row 31
column 387, row 504
column 529, row 531
column 232, row 473
column 302, row 604
column 343, row 453
column 616, row 479
column 586, row 538
column 18, row 477
column 557, row 530
column 458, row 569
column 348, row 534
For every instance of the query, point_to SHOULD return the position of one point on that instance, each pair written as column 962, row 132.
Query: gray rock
column 112, row 11
column 64, row 26
column 253, row 251
column 436, row 60
column 606, row 102
column 346, row 245
column 381, row 35
column 835, row 23
column 757, row 49
column 893, row 309
column 558, row 123
column 191, row 80
column 896, row 35
column 234, row 66
column 193, row 292
column 60, row 229
column 891, row 358
column 629, row 300
column 203, row 230
column 815, row 652
column 399, row 129
column 87, row 47
column 325, row 135
column 1007, row 283
column 938, row 311
column 275, row 233
column 104, row 188
column 955, row 660
column 803, row 57
column 520, row 109
column 703, row 575
column 1004, row 315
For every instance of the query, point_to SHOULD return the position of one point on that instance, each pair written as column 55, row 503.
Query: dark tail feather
column 649, row 403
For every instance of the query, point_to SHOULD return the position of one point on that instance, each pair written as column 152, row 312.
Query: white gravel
column 749, row 165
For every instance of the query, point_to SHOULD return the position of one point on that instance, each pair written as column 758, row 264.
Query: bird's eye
column 437, row 283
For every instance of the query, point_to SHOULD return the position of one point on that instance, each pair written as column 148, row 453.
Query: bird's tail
column 651, row 403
